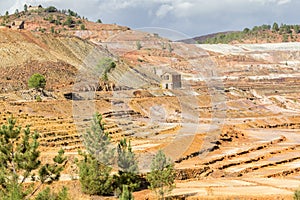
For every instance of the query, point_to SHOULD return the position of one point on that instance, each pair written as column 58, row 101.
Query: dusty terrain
column 233, row 129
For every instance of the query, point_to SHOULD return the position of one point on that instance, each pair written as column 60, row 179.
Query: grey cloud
column 163, row 10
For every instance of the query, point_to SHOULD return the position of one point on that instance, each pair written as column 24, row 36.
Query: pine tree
column 138, row 45
column 97, row 141
column 162, row 175
column 296, row 29
column 25, row 7
column 6, row 16
column 17, row 14
column 126, row 158
column 275, row 27
column 128, row 167
column 170, row 49
column 95, row 167
column 19, row 158
column 94, row 177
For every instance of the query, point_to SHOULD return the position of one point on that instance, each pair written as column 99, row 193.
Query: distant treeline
column 263, row 32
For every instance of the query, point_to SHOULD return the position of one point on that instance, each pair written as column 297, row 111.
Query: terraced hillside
column 232, row 129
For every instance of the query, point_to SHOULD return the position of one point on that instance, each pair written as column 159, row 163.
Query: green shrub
column 72, row 13
column 285, row 38
column 297, row 195
column 170, row 49
column 43, row 30
column 46, row 194
column 138, row 45
column 296, row 29
column 38, row 98
column 82, row 27
column 106, row 64
column 69, row 22
column 57, row 22
column 37, row 81
column 51, row 9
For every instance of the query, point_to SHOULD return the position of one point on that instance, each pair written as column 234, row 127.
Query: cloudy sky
column 189, row 17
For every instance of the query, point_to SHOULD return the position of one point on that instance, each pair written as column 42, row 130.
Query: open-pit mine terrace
column 236, row 135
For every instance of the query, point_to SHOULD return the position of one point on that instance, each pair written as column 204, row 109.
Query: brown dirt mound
column 57, row 74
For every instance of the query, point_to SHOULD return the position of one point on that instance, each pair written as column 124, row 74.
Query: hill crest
column 256, row 35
